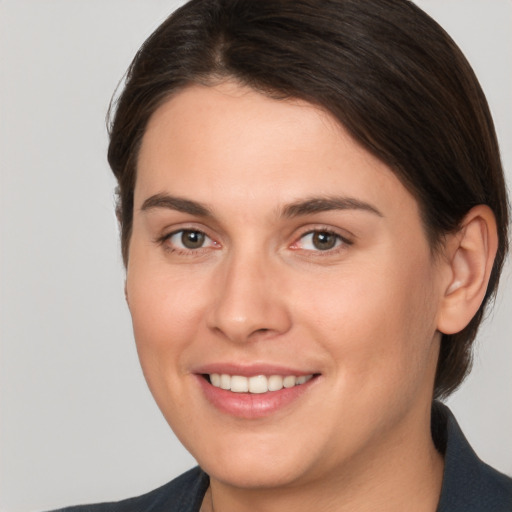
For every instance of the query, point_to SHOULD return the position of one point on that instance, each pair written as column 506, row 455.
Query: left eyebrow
column 324, row 204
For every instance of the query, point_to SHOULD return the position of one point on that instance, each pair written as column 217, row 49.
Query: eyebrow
column 324, row 204
column 304, row 207
column 179, row 204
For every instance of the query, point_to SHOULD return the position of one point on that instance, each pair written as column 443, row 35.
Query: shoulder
column 469, row 484
column 184, row 494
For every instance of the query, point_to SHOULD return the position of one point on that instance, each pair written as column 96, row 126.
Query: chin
column 248, row 460
column 256, row 475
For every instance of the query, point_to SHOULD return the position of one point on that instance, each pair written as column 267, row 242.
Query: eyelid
column 343, row 238
column 164, row 240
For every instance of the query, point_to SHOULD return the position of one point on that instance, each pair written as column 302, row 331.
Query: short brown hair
column 388, row 72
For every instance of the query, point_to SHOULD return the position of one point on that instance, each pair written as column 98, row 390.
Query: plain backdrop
column 77, row 422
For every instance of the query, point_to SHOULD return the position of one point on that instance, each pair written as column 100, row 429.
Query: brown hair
column 387, row 71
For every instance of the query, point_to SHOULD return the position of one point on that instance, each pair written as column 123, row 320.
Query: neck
column 403, row 472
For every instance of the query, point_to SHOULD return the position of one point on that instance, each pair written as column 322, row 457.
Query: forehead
column 232, row 144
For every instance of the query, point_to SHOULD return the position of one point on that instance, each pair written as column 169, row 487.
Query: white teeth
column 225, row 381
column 289, row 381
column 275, row 383
column 256, row 384
column 239, row 384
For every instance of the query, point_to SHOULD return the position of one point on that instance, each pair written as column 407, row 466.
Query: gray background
column 77, row 423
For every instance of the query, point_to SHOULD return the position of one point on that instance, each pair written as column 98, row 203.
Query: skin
column 363, row 315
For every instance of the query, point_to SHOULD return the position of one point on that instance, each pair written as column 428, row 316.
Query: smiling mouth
column 257, row 384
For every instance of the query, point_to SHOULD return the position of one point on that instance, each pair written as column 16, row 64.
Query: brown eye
column 323, row 240
column 192, row 239
column 188, row 241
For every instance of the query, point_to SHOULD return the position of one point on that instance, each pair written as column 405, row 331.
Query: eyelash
column 165, row 241
column 341, row 242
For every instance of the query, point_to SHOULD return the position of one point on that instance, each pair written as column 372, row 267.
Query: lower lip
column 252, row 405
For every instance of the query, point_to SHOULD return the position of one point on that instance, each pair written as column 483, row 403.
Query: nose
column 250, row 303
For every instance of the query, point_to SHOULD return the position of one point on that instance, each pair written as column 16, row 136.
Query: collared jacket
column 469, row 485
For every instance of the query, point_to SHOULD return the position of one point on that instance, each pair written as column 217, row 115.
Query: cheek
column 165, row 320
column 166, row 312
column 378, row 323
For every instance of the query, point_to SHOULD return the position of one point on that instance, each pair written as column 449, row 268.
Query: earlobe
column 470, row 256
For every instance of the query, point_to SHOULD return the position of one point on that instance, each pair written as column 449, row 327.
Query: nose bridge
column 248, row 302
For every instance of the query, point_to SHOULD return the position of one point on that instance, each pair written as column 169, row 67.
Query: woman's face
column 267, row 246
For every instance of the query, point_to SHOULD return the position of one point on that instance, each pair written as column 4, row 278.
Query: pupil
column 192, row 239
column 324, row 241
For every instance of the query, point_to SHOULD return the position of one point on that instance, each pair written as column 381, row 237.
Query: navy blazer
column 469, row 485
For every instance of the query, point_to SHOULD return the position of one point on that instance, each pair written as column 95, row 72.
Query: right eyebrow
column 176, row 203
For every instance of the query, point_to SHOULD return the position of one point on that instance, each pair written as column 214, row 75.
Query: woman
column 313, row 220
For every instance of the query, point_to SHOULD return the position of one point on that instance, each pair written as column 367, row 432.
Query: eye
column 320, row 240
column 188, row 240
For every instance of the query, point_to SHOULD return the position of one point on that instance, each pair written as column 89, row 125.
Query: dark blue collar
column 469, row 485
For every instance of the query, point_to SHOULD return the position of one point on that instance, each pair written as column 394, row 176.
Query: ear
column 470, row 256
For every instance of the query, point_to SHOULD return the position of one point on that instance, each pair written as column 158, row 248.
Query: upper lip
column 250, row 370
